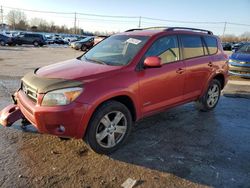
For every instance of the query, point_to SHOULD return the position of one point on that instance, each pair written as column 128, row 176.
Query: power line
column 141, row 18
column 180, row 21
column 39, row 11
column 240, row 24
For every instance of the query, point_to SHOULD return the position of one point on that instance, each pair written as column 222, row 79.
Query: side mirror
column 152, row 62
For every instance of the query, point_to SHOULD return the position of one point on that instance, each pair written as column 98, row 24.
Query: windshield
column 244, row 49
column 117, row 50
column 85, row 39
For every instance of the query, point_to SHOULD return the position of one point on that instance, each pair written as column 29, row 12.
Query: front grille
column 240, row 72
column 29, row 92
column 241, row 62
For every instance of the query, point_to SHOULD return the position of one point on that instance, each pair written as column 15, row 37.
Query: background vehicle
column 124, row 78
column 30, row 38
column 5, row 40
column 83, row 44
column 239, row 62
column 237, row 45
column 227, row 46
column 58, row 40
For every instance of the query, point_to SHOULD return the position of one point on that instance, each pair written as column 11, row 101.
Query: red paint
column 151, row 89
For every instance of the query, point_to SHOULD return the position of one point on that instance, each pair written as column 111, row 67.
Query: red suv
column 124, row 78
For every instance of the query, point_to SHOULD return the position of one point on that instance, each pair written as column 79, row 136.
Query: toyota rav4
column 126, row 77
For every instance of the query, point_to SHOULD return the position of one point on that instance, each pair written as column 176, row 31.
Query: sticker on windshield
column 133, row 41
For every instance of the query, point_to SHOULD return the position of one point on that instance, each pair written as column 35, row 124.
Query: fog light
column 61, row 129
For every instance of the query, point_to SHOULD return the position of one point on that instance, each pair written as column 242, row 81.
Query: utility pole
column 224, row 30
column 2, row 17
column 139, row 25
column 75, row 23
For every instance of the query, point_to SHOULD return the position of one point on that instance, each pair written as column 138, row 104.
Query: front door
column 163, row 86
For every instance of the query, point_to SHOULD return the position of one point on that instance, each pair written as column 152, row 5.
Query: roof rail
column 191, row 29
column 137, row 29
column 157, row 27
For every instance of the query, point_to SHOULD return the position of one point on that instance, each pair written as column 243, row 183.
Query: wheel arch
column 219, row 76
column 125, row 99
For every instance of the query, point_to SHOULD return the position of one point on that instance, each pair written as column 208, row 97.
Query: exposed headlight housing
column 61, row 96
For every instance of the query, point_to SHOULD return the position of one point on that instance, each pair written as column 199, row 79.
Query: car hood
column 71, row 73
column 75, row 70
column 240, row 57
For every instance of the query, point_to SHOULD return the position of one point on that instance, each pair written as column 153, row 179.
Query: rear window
column 192, row 46
column 211, row 43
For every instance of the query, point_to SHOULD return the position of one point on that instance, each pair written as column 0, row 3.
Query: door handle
column 180, row 70
column 210, row 64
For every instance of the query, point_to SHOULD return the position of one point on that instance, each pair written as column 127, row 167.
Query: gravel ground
column 177, row 148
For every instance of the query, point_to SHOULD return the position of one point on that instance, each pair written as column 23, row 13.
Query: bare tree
column 16, row 19
column 245, row 36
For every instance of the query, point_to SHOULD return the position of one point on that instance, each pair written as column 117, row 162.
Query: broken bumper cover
column 63, row 121
column 10, row 114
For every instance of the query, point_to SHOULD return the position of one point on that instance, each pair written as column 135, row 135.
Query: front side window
column 192, row 46
column 211, row 43
column 166, row 48
column 117, row 50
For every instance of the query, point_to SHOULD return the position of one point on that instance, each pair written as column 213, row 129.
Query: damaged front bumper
column 10, row 114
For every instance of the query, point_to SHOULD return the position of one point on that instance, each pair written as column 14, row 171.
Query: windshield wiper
column 95, row 60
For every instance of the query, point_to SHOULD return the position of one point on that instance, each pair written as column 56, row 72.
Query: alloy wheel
column 111, row 129
column 213, row 95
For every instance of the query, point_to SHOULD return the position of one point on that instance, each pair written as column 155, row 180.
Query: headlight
column 230, row 60
column 61, row 96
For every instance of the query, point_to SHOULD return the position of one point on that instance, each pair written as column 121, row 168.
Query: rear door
column 163, row 86
column 198, row 64
column 27, row 39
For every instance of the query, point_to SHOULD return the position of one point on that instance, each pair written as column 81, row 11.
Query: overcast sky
column 180, row 10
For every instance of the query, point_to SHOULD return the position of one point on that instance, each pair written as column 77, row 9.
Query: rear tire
column 35, row 43
column 109, row 127
column 210, row 98
column 2, row 43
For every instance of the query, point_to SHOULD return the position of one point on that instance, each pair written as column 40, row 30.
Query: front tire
column 109, row 127
column 83, row 48
column 210, row 99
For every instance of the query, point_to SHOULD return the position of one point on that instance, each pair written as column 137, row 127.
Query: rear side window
column 166, row 48
column 211, row 43
column 192, row 46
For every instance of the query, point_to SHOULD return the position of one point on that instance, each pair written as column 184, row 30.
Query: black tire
column 2, row 43
column 83, row 48
column 96, row 127
column 204, row 103
column 36, row 44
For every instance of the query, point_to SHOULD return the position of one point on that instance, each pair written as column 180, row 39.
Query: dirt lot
column 177, row 148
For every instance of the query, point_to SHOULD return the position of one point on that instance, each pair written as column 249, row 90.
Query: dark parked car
column 239, row 62
column 5, row 40
column 83, row 44
column 58, row 40
column 237, row 46
column 227, row 46
column 30, row 38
